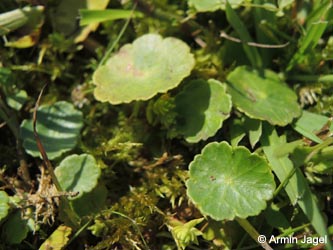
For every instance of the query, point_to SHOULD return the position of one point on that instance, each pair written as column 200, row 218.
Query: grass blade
column 251, row 52
column 297, row 187
column 316, row 26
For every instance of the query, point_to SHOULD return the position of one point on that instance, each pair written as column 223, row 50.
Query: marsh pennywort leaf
column 140, row 70
column 4, row 206
column 202, row 107
column 212, row 5
column 228, row 182
column 78, row 173
column 58, row 127
column 262, row 95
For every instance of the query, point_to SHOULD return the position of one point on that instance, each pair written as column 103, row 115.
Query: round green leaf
column 58, row 127
column 4, row 206
column 202, row 107
column 78, row 173
column 262, row 95
column 226, row 182
column 140, row 70
column 212, row 5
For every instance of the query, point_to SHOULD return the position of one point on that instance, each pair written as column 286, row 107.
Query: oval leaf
column 140, row 70
column 262, row 95
column 78, row 173
column 58, row 127
column 212, row 5
column 202, row 106
column 226, row 182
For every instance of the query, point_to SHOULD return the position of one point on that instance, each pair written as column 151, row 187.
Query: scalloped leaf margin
column 202, row 107
column 140, row 70
column 228, row 182
column 262, row 95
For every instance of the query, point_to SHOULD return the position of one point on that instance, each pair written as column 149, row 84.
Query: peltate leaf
column 228, row 182
column 78, row 173
column 140, row 70
column 58, row 127
column 262, row 95
column 202, row 107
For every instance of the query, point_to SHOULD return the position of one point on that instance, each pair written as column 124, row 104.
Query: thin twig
column 71, row 215
column 259, row 45
column 40, row 144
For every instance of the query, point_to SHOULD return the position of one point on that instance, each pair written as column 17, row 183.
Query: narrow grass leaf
column 316, row 26
column 297, row 187
column 251, row 52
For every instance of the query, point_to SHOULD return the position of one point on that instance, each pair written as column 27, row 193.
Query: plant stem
column 245, row 224
column 72, row 217
column 284, row 183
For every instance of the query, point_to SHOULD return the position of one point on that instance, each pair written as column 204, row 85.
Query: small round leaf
column 140, row 70
column 202, row 107
column 58, row 127
column 78, row 173
column 228, row 182
column 262, row 95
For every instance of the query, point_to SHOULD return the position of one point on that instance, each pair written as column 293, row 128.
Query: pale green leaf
column 58, row 239
column 140, row 70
